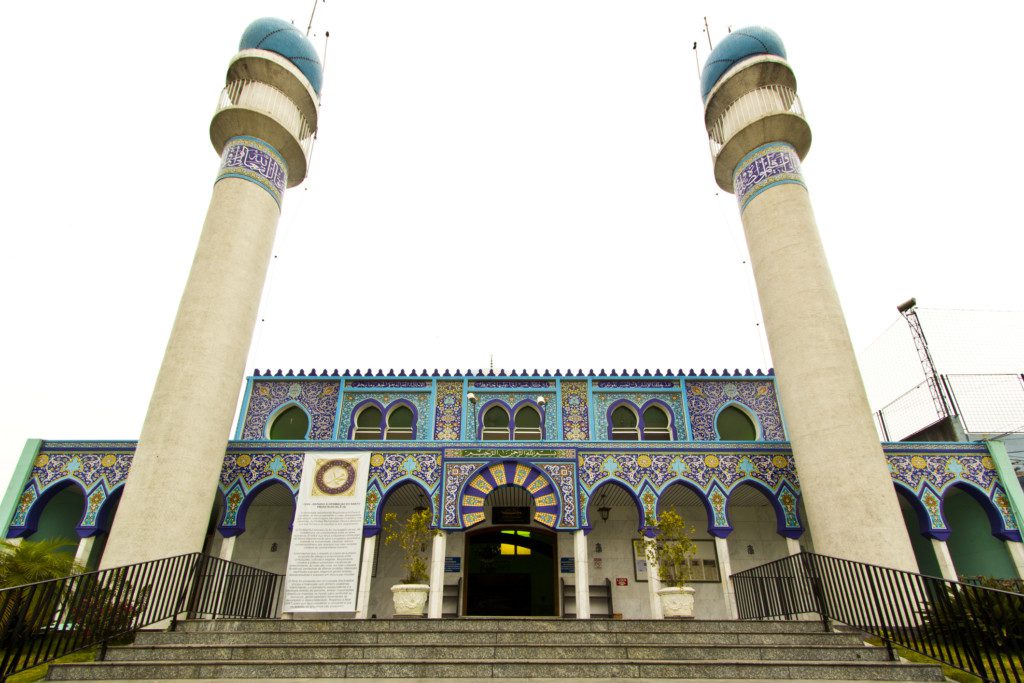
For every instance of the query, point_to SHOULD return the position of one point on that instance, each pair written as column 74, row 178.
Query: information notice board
column 327, row 534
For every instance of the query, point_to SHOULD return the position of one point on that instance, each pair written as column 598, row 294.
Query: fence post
column 808, row 564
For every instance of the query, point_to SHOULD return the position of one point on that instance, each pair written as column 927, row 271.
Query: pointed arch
column 782, row 528
column 388, row 429
column 482, row 414
column 623, row 431
column 386, row 495
column 746, row 411
column 105, row 515
column 658, row 404
column 593, row 497
column 354, row 426
column 528, row 404
column 924, row 519
column 279, row 412
column 35, row 512
column 709, row 512
column 995, row 516
column 238, row 528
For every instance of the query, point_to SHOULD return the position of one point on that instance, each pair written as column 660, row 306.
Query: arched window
column 400, row 425
column 734, row 424
column 656, row 424
column 368, row 422
column 624, row 425
column 291, row 424
column 495, row 424
column 527, row 424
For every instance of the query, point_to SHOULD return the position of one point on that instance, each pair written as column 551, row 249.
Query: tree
column 34, row 561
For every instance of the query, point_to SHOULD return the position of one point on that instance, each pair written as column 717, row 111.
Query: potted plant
column 411, row 534
column 670, row 551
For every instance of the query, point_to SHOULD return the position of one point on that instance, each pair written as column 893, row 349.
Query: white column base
column 85, row 546
column 1016, row 550
column 725, row 569
column 365, row 575
column 945, row 560
column 653, row 583
column 434, row 601
column 793, row 546
column 582, row 575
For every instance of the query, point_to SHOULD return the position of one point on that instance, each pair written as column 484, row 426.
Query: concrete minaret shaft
column 758, row 136
column 263, row 129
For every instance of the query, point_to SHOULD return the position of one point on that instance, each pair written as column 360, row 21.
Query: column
column 436, row 599
column 582, row 575
column 725, row 570
column 1016, row 550
column 365, row 575
column 946, row 568
column 227, row 548
column 653, row 582
column 85, row 546
column 793, row 546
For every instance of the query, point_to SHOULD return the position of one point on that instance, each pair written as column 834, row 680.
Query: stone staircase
column 496, row 648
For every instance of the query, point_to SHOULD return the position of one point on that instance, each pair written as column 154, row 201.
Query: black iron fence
column 43, row 621
column 977, row 629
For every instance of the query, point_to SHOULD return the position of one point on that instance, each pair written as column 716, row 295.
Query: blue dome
column 277, row 35
column 734, row 48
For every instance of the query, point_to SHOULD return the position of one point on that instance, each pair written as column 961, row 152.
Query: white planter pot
column 410, row 598
column 677, row 602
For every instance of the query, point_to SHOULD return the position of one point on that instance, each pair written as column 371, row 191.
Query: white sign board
column 327, row 535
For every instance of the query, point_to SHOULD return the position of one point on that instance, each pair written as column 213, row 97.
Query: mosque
column 541, row 484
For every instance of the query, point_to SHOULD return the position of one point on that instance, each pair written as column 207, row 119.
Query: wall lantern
column 604, row 513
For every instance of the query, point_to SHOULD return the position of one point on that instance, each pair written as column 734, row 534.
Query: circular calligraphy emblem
column 243, row 460
column 711, row 461
column 108, row 460
column 988, row 463
column 780, row 461
column 643, row 461
column 335, row 477
column 43, row 460
column 918, row 463
column 376, row 460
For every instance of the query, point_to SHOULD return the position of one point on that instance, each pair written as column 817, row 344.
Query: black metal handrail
column 41, row 622
column 973, row 628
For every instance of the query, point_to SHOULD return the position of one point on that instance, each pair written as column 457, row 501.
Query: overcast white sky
column 529, row 179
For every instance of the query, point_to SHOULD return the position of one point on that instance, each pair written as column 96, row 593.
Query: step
column 496, row 669
column 489, row 624
column 232, row 637
column 445, row 652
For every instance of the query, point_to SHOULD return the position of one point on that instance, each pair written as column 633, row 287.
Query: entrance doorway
column 510, row 572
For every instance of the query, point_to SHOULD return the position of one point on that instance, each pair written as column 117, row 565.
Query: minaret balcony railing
column 754, row 105
column 268, row 100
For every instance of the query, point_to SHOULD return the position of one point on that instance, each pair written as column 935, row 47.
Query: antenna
column 311, row 15
column 696, row 59
column 327, row 35
column 492, row 362
column 707, row 32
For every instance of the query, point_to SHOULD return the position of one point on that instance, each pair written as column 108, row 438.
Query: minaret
column 758, row 136
column 263, row 129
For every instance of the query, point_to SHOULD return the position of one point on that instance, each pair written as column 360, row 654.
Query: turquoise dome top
column 734, row 48
column 277, row 35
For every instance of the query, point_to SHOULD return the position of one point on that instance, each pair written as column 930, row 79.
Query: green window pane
column 655, row 417
column 623, row 418
column 527, row 417
column 496, row 417
column 369, row 417
column 734, row 425
column 400, row 417
column 292, row 424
